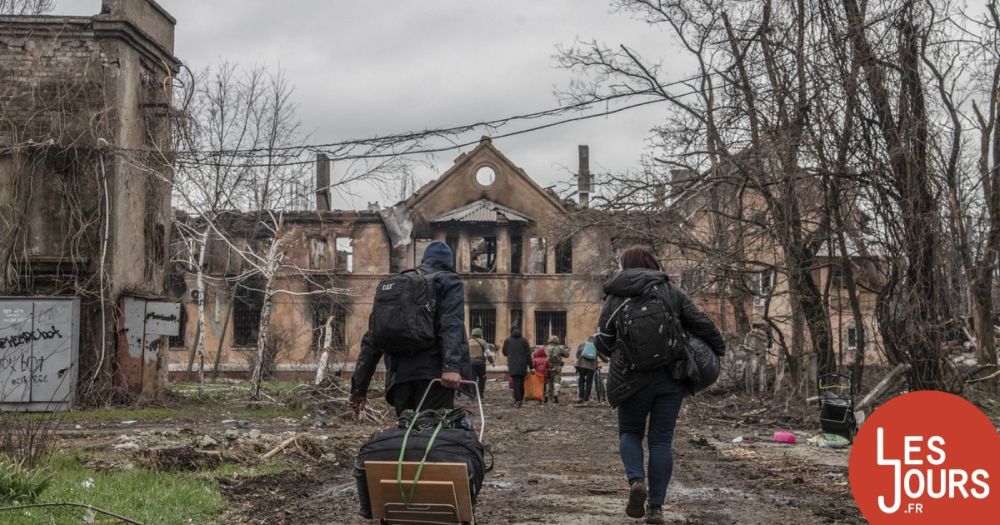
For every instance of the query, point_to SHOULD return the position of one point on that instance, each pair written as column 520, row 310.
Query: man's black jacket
column 451, row 352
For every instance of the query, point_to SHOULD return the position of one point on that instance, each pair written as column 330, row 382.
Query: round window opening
column 485, row 176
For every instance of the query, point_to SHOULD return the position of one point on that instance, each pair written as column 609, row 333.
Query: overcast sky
column 374, row 67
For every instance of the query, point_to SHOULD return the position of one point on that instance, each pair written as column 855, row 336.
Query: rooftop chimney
column 322, row 182
column 583, row 177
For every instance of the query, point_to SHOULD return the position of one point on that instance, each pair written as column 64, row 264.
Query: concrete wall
column 82, row 99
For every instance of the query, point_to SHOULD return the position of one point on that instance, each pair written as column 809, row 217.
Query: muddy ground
column 555, row 464
column 559, row 464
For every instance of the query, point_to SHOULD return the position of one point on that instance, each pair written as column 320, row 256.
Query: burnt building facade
column 528, row 259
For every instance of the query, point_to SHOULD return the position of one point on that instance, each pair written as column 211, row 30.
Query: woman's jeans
column 659, row 403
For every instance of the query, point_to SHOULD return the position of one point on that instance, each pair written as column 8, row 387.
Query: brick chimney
column 322, row 182
column 583, row 176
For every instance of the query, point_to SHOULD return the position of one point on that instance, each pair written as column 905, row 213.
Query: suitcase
column 534, row 387
column 436, row 478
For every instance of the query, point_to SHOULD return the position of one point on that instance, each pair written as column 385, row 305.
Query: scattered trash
column 87, row 483
column 242, row 423
column 253, row 434
column 737, row 440
column 128, row 423
column 829, row 441
column 232, row 435
column 128, row 445
column 784, row 437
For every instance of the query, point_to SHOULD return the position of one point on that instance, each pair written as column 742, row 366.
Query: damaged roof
column 483, row 210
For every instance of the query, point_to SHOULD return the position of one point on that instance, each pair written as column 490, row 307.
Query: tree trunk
column 222, row 338
column 982, row 322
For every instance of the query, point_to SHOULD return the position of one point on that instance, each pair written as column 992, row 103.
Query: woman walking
column 647, row 395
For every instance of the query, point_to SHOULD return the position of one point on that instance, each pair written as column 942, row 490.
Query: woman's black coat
column 622, row 381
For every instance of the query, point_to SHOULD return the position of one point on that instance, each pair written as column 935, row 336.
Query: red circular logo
column 927, row 458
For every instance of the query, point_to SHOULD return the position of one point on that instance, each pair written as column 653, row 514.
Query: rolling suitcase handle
column 479, row 400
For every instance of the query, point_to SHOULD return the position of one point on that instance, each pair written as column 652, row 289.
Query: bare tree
column 26, row 7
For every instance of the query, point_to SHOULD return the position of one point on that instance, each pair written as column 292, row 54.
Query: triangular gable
column 457, row 188
column 483, row 210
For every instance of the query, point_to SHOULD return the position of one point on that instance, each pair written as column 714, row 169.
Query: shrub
column 21, row 485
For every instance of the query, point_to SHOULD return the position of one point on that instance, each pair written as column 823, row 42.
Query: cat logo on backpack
column 387, row 287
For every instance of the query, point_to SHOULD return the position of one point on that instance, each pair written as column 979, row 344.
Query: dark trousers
column 518, row 383
column 585, row 383
column 479, row 375
column 406, row 396
column 658, row 404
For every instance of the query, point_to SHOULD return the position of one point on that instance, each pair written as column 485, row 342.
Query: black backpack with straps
column 403, row 318
column 649, row 331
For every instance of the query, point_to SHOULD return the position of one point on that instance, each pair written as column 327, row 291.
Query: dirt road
column 559, row 464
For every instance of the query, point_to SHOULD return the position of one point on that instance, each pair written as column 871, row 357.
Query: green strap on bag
column 420, row 468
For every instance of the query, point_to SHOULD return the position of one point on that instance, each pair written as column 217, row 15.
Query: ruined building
column 528, row 258
column 84, row 187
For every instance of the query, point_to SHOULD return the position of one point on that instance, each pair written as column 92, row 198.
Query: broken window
column 329, row 324
column 452, row 243
column 564, row 256
column 515, row 254
column 485, row 318
column 539, row 257
column 483, row 254
column 345, row 254
column 852, row 337
column 761, row 284
column 319, row 258
column 249, row 301
column 549, row 323
column 177, row 341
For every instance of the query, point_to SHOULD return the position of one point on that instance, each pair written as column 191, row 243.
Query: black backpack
column 649, row 331
column 403, row 317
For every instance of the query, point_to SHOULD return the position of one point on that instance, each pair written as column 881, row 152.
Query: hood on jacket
column 539, row 352
column 440, row 254
column 631, row 282
column 515, row 332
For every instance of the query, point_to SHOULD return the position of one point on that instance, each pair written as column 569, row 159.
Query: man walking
column 518, row 354
column 556, row 352
column 586, row 365
column 418, row 327
column 479, row 353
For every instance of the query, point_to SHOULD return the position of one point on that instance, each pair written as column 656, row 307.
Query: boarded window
column 516, row 252
column 319, row 255
column 549, row 323
column 483, row 254
column 177, row 341
column 564, row 256
column 485, row 318
column 345, row 254
column 539, row 257
column 246, row 315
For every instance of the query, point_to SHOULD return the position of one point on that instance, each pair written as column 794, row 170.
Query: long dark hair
column 639, row 257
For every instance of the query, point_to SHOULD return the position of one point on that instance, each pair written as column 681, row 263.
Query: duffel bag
column 707, row 363
column 450, row 445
